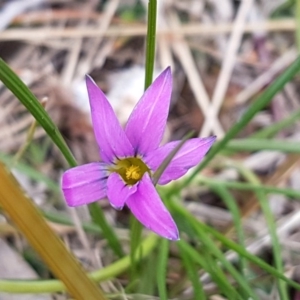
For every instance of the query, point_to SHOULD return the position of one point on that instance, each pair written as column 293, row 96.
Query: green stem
column 161, row 274
column 149, row 68
column 150, row 46
column 52, row 286
column 249, row 186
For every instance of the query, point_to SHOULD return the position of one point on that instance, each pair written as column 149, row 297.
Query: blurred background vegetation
column 225, row 57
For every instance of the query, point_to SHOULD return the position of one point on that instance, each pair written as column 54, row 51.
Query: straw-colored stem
column 27, row 217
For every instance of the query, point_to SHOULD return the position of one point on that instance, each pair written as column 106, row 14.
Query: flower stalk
column 150, row 43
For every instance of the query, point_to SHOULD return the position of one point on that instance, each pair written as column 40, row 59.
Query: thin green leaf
column 248, row 186
column 65, row 220
column 26, row 97
column 192, row 273
column 30, row 172
column 135, row 240
column 263, row 201
column 210, row 266
column 147, row 279
column 262, row 144
column 218, row 276
column 232, row 245
column 273, row 129
column 161, row 268
column 207, row 242
column 108, row 232
column 237, row 220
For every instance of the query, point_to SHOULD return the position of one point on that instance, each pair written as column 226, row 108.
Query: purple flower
column 131, row 156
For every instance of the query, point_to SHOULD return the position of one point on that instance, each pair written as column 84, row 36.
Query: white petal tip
column 174, row 239
column 117, row 207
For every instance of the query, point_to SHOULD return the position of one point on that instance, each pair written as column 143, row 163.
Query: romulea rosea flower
column 131, row 156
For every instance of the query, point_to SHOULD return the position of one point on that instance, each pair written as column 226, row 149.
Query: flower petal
column 118, row 191
column 191, row 153
column 109, row 134
column 148, row 208
column 147, row 122
column 84, row 184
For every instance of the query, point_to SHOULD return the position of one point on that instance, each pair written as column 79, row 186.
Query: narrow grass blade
column 26, row 97
column 24, row 214
column 30, row 172
column 212, row 267
column 232, row 245
column 161, row 269
column 263, row 201
column 262, row 144
column 192, row 273
column 135, row 240
column 212, row 248
column 230, row 202
column 273, row 129
column 210, row 182
column 108, row 232
column 205, row 260
column 147, row 279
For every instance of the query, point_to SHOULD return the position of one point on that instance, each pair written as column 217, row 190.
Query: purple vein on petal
column 84, row 184
column 109, row 134
column 147, row 122
column 191, row 154
column 148, row 208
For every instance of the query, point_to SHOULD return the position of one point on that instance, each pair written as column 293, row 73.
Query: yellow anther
column 133, row 172
column 131, row 169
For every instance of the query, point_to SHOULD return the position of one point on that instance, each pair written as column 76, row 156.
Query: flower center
column 133, row 172
column 131, row 169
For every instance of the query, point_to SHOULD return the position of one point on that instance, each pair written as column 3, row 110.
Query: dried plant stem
column 62, row 263
column 280, row 64
column 211, row 116
column 29, row 138
column 43, row 34
column 280, row 175
column 184, row 54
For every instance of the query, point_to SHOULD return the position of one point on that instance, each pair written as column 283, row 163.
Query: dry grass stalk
column 43, row 34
